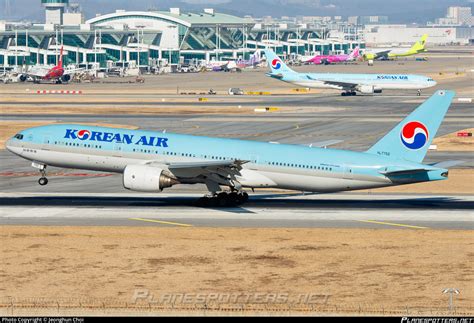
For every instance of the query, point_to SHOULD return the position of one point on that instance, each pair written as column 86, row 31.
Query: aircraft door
column 348, row 172
column 253, row 158
column 47, row 141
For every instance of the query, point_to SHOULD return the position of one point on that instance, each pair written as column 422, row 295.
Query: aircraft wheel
column 354, row 93
column 233, row 199
column 43, row 181
column 222, row 199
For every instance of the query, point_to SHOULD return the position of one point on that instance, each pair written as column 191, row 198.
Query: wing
column 219, row 171
column 38, row 71
column 383, row 54
column 74, row 70
column 336, row 84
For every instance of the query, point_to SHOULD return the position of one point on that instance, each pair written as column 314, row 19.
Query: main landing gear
column 418, row 93
column 348, row 93
column 223, row 199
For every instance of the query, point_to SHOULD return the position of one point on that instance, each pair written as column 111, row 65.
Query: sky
column 399, row 11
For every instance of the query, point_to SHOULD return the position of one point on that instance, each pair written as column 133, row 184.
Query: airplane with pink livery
column 331, row 59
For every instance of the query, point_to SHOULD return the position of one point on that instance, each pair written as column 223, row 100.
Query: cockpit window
column 430, row 80
column 18, row 136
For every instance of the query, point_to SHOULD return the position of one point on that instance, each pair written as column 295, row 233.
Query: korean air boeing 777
column 348, row 83
column 152, row 161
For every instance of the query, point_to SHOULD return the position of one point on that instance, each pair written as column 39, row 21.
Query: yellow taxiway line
column 162, row 222
column 394, row 224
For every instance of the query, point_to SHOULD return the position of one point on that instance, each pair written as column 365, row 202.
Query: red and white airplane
column 45, row 73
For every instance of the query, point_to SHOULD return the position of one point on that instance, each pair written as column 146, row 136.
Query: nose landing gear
column 43, row 181
column 42, row 168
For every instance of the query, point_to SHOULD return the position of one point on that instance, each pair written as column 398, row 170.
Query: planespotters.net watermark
column 144, row 295
column 437, row 320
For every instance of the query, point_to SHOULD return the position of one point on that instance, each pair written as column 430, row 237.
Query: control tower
column 54, row 10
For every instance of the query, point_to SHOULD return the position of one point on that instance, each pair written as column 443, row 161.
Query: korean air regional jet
column 350, row 84
column 152, row 161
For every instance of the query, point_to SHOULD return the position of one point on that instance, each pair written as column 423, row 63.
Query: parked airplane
column 151, row 161
column 253, row 61
column 330, row 59
column 44, row 73
column 348, row 83
column 229, row 65
column 388, row 53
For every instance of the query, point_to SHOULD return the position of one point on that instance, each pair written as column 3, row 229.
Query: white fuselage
column 255, row 175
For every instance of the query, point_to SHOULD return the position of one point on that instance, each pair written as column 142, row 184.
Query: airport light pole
column 16, row 47
column 56, row 29
column 451, row 292
column 95, row 48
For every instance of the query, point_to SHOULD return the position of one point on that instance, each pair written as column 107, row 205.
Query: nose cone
column 8, row 144
column 12, row 147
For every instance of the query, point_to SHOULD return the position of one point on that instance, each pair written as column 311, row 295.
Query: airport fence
column 102, row 307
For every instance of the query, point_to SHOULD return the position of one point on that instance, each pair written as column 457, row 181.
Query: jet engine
column 65, row 78
column 368, row 56
column 144, row 178
column 368, row 89
column 23, row 77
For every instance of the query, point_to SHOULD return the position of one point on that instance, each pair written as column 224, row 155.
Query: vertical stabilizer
column 411, row 138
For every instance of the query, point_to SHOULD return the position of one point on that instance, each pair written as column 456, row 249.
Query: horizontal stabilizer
column 275, row 76
column 403, row 171
column 448, row 163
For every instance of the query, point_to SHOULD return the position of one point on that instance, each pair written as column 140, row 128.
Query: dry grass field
column 375, row 268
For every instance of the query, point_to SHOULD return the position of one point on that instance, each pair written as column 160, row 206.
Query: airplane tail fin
column 275, row 63
column 355, row 53
column 60, row 63
column 412, row 137
column 419, row 46
column 255, row 58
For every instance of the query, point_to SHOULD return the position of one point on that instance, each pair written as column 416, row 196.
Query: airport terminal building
column 153, row 38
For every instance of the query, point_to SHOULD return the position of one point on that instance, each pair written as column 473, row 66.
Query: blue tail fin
column 275, row 63
column 411, row 138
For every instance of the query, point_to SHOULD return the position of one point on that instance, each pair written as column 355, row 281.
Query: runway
column 78, row 197
column 376, row 211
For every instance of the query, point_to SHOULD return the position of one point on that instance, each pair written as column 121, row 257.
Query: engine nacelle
column 368, row 56
column 366, row 89
column 23, row 77
column 144, row 178
column 65, row 78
